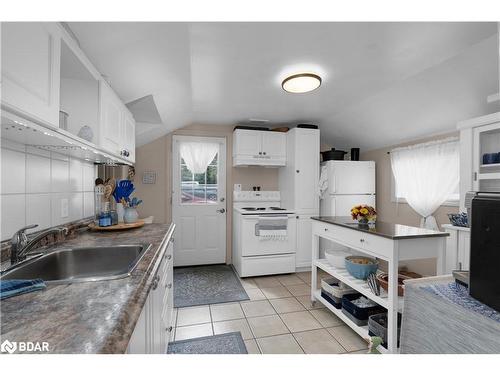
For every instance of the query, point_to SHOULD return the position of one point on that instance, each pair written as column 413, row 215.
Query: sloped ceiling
column 383, row 83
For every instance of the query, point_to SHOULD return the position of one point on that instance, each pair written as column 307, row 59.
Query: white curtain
column 426, row 175
column 198, row 155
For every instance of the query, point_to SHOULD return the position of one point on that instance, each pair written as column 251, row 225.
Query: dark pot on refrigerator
column 333, row 155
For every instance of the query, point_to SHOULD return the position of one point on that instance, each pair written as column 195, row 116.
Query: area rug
column 204, row 285
column 227, row 343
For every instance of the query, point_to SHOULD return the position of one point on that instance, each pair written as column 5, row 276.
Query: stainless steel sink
column 80, row 264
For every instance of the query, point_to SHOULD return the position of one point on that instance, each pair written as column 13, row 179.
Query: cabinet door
column 451, row 254
column 274, row 144
column 247, row 142
column 307, row 172
column 128, row 136
column 110, row 119
column 303, row 256
column 138, row 343
column 464, row 250
column 31, row 69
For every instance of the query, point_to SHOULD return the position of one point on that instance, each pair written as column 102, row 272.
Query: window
column 199, row 188
column 396, row 196
column 453, row 200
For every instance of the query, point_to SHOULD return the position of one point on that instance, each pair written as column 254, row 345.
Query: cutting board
column 121, row 226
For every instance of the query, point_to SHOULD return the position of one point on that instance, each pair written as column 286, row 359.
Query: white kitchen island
column 389, row 242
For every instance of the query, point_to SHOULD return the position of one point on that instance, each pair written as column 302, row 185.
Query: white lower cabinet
column 303, row 256
column 153, row 330
column 457, row 254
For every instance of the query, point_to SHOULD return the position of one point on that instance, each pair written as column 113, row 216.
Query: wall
column 402, row 213
column 157, row 156
column 34, row 182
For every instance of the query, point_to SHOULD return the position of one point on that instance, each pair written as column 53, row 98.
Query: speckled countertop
column 89, row 317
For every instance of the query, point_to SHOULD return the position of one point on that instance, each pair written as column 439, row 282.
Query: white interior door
column 199, row 207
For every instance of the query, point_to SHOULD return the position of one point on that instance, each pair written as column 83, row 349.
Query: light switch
column 64, row 208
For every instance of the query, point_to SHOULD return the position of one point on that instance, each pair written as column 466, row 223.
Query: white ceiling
column 383, row 83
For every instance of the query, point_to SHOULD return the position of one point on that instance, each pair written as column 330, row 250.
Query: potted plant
column 363, row 214
column 130, row 215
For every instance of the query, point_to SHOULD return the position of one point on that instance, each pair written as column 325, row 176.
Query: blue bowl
column 492, row 158
column 360, row 271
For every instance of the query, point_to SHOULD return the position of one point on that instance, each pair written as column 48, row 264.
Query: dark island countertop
column 87, row 317
column 383, row 229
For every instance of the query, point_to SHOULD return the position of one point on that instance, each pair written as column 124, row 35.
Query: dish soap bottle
column 105, row 216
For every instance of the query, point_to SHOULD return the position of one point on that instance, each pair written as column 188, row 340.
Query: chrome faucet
column 21, row 246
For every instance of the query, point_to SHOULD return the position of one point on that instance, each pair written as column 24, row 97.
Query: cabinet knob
column 326, row 229
column 169, row 329
column 155, row 282
column 361, row 240
column 297, row 171
column 260, row 153
column 264, row 153
column 169, row 285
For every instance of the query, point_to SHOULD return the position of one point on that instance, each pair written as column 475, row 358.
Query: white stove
column 258, row 203
column 254, row 254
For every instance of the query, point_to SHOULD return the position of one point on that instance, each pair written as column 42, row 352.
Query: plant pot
column 130, row 216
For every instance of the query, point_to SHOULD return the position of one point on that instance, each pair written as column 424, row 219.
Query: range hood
column 21, row 131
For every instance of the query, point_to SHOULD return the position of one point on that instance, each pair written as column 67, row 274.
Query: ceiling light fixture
column 301, row 83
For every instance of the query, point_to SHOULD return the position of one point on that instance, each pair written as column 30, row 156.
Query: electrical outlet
column 64, row 208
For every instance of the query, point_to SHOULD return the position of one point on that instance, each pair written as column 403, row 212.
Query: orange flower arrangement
column 363, row 213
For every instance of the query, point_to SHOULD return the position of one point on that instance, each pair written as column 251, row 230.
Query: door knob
column 221, row 211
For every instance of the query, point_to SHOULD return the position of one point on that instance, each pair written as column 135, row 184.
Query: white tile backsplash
column 13, row 172
column 37, row 174
column 13, row 214
column 35, row 181
column 60, row 176
column 75, row 206
column 89, row 176
column 88, row 204
column 38, row 210
column 75, row 175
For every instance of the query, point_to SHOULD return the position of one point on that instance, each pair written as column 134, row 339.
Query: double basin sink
column 80, row 264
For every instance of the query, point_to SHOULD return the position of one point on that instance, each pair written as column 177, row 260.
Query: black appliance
column 355, row 154
column 484, row 277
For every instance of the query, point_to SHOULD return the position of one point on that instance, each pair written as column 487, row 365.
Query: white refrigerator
column 350, row 183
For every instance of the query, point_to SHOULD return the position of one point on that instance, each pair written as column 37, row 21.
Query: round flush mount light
column 301, row 83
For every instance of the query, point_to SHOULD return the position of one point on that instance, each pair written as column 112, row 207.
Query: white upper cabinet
column 299, row 179
column 255, row 147
column 31, row 70
column 47, row 77
column 111, row 113
column 117, row 124
column 128, row 136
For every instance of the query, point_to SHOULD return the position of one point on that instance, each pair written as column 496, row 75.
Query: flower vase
column 120, row 211
column 363, row 221
column 130, row 216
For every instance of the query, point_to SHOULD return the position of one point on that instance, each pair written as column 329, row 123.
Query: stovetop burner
column 277, row 209
column 253, row 208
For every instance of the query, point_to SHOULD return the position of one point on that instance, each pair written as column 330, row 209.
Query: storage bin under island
column 385, row 241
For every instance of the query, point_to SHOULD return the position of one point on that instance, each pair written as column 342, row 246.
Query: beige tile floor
column 278, row 319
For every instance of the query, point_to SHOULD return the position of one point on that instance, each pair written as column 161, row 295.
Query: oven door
column 253, row 245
